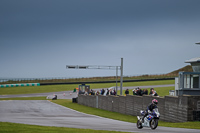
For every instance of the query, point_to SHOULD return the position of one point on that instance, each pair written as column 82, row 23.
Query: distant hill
column 187, row 68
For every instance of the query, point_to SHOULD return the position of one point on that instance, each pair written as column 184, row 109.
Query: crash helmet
column 154, row 101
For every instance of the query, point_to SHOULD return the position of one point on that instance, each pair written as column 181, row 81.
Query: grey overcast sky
column 38, row 38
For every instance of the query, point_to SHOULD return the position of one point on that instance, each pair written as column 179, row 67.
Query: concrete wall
column 171, row 108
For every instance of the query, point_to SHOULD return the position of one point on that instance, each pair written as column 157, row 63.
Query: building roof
column 193, row 60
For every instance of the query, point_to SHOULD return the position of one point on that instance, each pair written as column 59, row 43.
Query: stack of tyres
column 74, row 100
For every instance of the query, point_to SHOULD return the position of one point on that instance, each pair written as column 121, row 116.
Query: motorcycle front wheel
column 139, row 125
column 153, row 123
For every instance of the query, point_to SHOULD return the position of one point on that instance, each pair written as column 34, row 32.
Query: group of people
column 139, row 92
column 101, row 92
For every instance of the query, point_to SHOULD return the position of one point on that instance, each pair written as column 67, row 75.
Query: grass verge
column 7, row 127
column 25, row 98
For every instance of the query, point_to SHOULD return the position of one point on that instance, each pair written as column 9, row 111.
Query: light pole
column 121, row 79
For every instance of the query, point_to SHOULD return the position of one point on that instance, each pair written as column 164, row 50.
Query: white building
column 188, row 83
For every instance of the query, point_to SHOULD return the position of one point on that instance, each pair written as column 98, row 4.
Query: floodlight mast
column 103, row 67
column 121, row 79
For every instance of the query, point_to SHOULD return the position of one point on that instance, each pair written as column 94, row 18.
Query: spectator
column 110, row 92
column 126, row 92
column 97, row 93
column 153, row 92
column 145, row 92
column 114, row 92
column 102, row 92
column 92, row 92
column 86, row 93
column 139, row 92
column 150, row 93
column 135, row 91
column 107, row 92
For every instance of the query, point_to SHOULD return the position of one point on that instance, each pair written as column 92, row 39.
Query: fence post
column 97, row 106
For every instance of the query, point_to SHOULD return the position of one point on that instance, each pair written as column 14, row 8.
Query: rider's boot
column 142, row 120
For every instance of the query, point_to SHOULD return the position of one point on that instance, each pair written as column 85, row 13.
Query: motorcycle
column 151, row 120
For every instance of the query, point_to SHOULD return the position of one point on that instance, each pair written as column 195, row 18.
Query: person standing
column 126, row 92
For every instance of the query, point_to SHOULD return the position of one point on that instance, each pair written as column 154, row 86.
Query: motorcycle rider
column 150, row 108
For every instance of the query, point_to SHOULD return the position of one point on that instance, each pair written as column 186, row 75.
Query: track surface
column 46, row 113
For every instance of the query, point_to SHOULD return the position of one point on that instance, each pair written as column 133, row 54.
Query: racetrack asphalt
column 46, row 113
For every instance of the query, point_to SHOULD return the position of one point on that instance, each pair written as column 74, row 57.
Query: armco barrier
column 16, row 85
column 171, row 108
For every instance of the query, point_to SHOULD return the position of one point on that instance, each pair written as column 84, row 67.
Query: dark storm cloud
column 31, row 15
column 98, row 30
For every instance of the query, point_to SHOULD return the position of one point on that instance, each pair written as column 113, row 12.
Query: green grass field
column 57, row 88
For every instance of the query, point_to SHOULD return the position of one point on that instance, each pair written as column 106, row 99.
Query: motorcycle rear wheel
column 139, row 125
column 153, row 123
